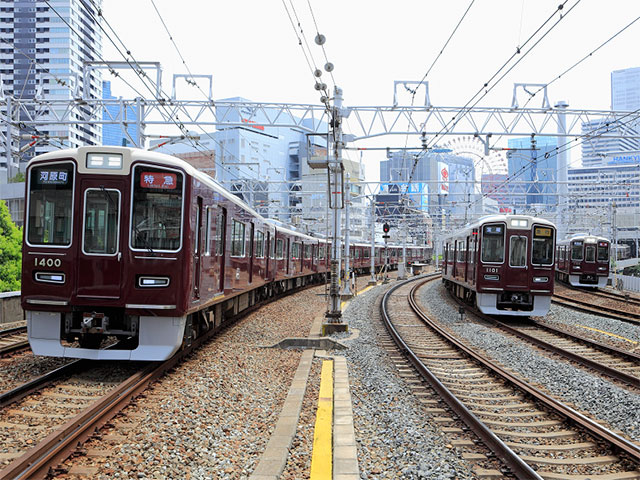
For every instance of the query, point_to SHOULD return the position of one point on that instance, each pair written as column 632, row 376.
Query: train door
column 99, row 255
column 197, row 250
column 518, row 276
column 251, row 250
column 288, row 254
column 221, row 235
column 467, row 262
column 267, row 255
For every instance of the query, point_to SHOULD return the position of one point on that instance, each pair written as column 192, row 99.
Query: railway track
column 619, row 364
column 589, row 307
column 13, row 340
column 534, row 435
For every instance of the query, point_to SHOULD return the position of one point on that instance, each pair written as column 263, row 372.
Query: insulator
column 324, row 99
column 320, row 39
column 328, row 67
column 317, row 72
column 318, row 86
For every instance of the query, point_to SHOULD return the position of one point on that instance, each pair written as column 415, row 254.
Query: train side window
column 321, row 251
column 590, row 253
column 518, row 251
column 603, row 252
column 279, row 249
column 307, row 252
column 295, row 251
column 238, row 239
column 259, row 244
column 493, row 243
column 542, row 250
column 576, row 251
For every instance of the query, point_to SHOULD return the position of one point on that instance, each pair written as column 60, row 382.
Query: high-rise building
column 119, row 134
column 602, row 136
column 533, row 170
column 42, row 49
column 625, row 89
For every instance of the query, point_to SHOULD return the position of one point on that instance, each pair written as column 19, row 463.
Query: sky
column 251, row 49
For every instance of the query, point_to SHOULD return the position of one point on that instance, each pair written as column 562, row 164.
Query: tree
column 20, row 177
column 10, row 251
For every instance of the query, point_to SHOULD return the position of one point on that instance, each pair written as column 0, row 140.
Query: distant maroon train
column 503, row 264
column 143, row 247
column 583, row 260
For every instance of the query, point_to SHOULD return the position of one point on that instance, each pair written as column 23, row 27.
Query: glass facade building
column 42, row 49
column 114, row 134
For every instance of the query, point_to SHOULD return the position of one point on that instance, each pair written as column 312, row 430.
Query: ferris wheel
column 493, row 164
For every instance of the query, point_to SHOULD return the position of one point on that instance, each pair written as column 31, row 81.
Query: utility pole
column 563, row 169
column 372, row 280
column 346, row 287
column 333, row 316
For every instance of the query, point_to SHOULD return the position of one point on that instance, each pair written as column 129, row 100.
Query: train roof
column 506, row 218
column 585, row 237
column 131, row 155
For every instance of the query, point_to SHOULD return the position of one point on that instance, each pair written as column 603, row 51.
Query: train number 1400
column 48, row 262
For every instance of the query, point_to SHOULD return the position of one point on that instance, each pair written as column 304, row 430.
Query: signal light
column 385, row 228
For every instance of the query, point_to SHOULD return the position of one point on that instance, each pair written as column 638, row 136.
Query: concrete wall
column 10, row 309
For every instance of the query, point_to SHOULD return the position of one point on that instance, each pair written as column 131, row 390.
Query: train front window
column 50, row 205
column 518, row 251
column 590, row 253
column 603, row 252
column 576, row 250
column 493, row 243
column 156, row 222
column 542, row 246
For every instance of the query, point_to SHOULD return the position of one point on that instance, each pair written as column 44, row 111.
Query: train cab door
column 101, row 239
column 251, row 250
column 197, row 250
column 518, row 272
column 221, row 235
column 267, row 256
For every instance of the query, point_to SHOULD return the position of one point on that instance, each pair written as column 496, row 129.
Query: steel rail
column 592, row 427
column 517, row 466
column 55, row 448
column 15, row 394
column 604, row 369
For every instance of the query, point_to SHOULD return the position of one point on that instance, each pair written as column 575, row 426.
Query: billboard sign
column 443, row 178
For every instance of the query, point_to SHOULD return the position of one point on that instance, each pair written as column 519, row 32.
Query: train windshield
column 576, row 250
column 542, row 246
column 493, row 243
column 50, row 205
column 156, row 219
column 603, row 252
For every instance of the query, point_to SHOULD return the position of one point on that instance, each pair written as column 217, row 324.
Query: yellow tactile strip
column 321, row 460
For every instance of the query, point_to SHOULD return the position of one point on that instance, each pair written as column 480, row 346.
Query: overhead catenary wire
column 485, row 88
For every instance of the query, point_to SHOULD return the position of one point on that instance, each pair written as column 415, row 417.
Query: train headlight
column 602, row 268
column 49, row 277
column 492, row 277
column 148, row 281
column 540, row 279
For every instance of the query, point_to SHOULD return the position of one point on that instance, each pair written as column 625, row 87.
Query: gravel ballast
column 601, row 399
column 211, row 417
column 395, row 439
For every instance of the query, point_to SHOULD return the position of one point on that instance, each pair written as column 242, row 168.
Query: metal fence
column 626, row 282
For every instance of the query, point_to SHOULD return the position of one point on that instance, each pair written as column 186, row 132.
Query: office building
column 124, row 134
column 42, row 49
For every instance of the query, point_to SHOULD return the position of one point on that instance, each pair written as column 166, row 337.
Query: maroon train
column 583, row 260
column 141, row 246
column 503, row 264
